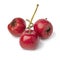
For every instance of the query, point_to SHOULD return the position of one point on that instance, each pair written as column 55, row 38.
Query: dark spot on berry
column 48, row 29
column 13, row 23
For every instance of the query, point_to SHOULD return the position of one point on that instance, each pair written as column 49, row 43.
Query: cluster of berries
column 29, row 37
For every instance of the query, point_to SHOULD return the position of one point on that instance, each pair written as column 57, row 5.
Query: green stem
column 33, row 17
column 34, row 12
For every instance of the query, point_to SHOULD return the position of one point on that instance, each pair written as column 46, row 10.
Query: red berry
column 29, row 40
column 43, row 28
column 17, row 26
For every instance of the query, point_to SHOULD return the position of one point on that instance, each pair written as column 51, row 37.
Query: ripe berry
column 29, row 40
column 43, row 28
column 17, row 26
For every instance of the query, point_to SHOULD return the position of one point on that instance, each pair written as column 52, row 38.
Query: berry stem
column 46, row 18
column 33, row 17
column 34, row 12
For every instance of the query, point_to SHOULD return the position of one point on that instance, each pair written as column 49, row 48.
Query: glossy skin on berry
column 28, row 40
column 17, row 26
column 43, row 28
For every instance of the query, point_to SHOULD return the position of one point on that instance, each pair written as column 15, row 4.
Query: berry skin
column 43, row 28
column 17, row 26
column 28, row 40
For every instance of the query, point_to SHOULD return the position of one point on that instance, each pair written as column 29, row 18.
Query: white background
column 9, row 45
